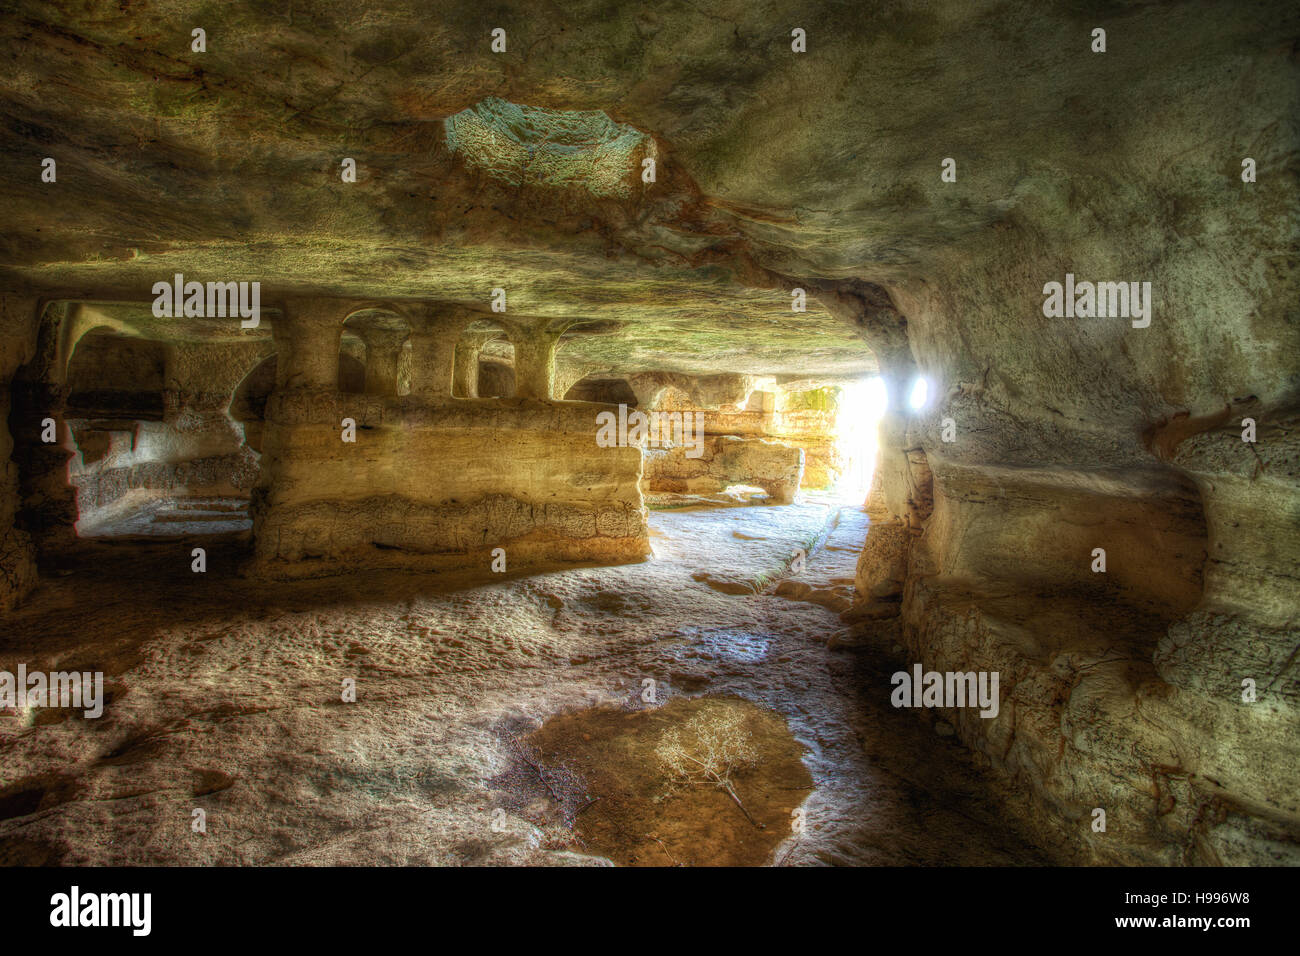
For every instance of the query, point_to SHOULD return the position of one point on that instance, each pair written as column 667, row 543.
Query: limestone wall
column 806, row 419
column 726, row 460
column 750, row 439
column 439, row 486
column 1162, row 690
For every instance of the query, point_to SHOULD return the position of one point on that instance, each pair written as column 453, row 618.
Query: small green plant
column 709, row 748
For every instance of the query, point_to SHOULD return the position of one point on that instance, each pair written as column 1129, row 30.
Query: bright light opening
column 920, row 390
column 857, row 426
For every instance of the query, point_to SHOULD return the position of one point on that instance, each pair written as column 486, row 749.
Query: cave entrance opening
column 857, row 427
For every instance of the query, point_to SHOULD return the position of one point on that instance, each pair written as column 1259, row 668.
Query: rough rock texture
column 756, row 411
column 802, row 417
column 412, row 772
column 415, row 490
column 824, row 572
column 776, row 172
column 881, row 572
column 1082, row 434
column 726, row 460
column 806, row 418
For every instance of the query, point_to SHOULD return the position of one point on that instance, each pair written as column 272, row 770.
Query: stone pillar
column 18, row 326
column 435, row 334
column 383, row 353
column 534, row 362
column 307, row 336
column 202, row 378
column 465, row 372
column 433, row 355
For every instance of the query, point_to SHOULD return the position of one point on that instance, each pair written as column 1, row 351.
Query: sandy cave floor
column 224, row 695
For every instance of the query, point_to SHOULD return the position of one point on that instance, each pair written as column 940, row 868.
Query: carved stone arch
column 384, row 333
column 485, row 358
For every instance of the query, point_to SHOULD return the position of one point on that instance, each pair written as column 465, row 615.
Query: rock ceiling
column 775, row 169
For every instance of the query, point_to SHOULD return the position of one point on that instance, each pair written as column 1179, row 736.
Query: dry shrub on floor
column 708, row 749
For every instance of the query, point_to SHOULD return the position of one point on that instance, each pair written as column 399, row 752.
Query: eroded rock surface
column 224, row 694
column 1044, row 439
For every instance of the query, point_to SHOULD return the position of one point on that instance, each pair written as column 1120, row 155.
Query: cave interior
column 430, row 436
